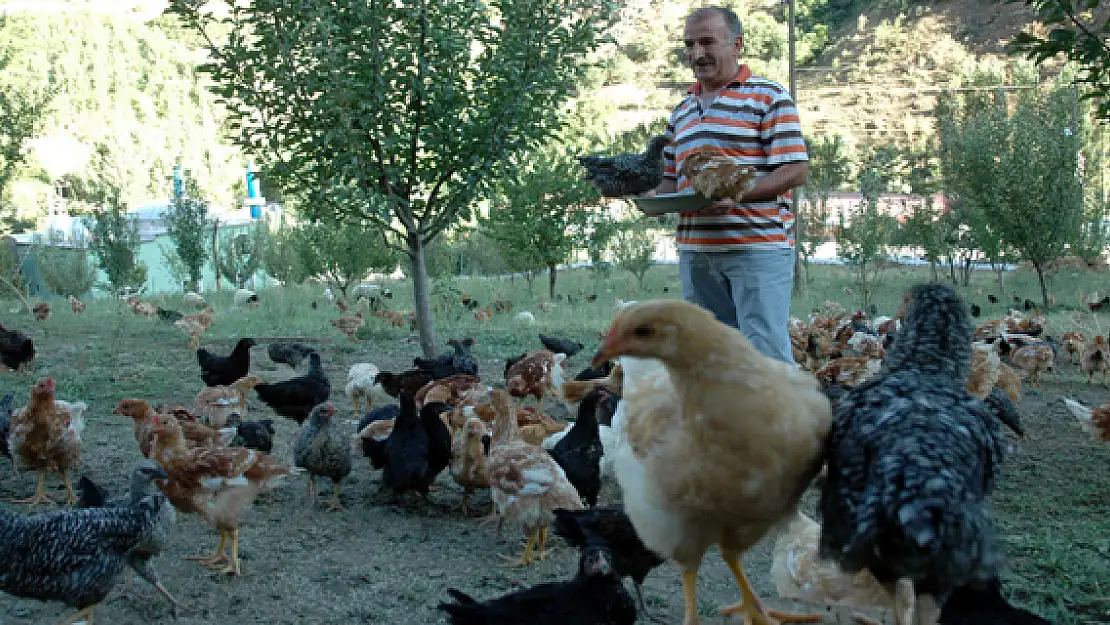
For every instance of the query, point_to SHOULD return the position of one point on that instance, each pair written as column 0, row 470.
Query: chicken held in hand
column 46, row 437
column 719, row 441
column 912, row 457
column 627, row 174
column 323, row 452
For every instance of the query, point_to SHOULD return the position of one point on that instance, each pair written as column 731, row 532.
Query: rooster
column 627, row 174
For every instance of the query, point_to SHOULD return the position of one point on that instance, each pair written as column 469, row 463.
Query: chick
column 322, row 452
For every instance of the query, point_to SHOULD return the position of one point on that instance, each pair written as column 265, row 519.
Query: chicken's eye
column 643, row 331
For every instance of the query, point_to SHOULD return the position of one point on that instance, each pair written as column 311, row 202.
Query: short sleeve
column 781, row 132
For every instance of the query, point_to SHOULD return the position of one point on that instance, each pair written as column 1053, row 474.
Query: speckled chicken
column 77, row 556
column 459, row 361
column 45, row 436
column 531, row 375
column 1035, row 359
column 627, row 174
column 322, row 452
column 912, row 457
column 288, row 353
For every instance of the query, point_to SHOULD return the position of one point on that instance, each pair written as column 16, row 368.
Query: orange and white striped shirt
column 754, row 121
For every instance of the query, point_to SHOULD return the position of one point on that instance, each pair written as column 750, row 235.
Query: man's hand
column 720, row 207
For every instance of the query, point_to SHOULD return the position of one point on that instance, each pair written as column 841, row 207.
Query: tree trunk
column 952, row 269
column 216, row 252
column 1044, row 285
column 552, row 272
column 936, row 272
column 421, row 296
column 1000, row 271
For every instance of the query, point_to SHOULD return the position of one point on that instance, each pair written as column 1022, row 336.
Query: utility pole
column 799, row 224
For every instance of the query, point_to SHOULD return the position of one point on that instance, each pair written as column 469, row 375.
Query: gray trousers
column 749, row 290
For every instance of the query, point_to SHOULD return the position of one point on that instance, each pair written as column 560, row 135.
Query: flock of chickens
column 896, row 421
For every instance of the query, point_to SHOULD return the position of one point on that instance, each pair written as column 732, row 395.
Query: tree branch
column 417, row 97
column 1066, row 6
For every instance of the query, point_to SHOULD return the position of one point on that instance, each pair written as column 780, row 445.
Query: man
column 736, row 257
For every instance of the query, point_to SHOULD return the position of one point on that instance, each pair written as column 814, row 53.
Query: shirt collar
column 742, row 77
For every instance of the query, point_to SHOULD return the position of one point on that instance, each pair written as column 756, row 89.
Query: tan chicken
column 1074, row 343
column 41, row 311
column 716, row 176
column 799, row 574
column 720, row 441
column 848, row 372
column 573, row 391
column 1009, row 381
column 1096, row 358
column 985, row 369
column 77, row 305
column 195, row 325
column 196, row 434
column 531, row 375
column 350, row 325
column 144, row 309
column 1034, row 359
column 485, row 315
column 218, row 403
column 45, row 436
column 468, row 459
column 218, row 484
column 1094, row 421
column 526, row 483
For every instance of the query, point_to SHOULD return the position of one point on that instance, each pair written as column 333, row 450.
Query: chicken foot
column 641, row 605
column 528, row 556
column 233, row 565
column 147, row 572
column 334, row 504
column 217, row 557
column 84, row 614
column 750, row 605
column 71, row 495
column 41, row 497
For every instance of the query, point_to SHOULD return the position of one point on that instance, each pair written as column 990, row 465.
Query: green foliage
column 538, row 213
column 118, row 84
column 343, row 254
column 69, row 272
column 830, row 166
column 240, row 254
column 11, row 267
column 407, row 106
column 1005, row 162
column 22, row 110
column 114, row 238
column 866, row 232
column 282, row 257
column 187, row 221
column 633, row 247
column 1078, row 30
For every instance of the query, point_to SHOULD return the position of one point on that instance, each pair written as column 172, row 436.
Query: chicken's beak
column 611, row 346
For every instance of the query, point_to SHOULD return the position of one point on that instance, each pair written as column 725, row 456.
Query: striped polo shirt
column 754, row 121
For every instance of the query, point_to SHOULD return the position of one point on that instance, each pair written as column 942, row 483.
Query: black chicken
column 983, row 604
column 417, row 450
column 458, row 361
column 595, row 373
column 167, row 315
column 579, row 452
column 5, row 427
column 512, row 360
column 404, row 383
column 560, row 346
column 16, row 349
column 296, row 397
column 607, row 408
column 77, row 556
column 375, row 449
column 595, row 596
column 1003, row 407
column 90, row 494
column 611, row 525
column 976, row 310
column 288, row 353
column 224, row 370
column 911, row 458
column 627, row 174
column 257, row 435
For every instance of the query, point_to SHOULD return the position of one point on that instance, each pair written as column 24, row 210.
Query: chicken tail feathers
column 466, row 612
column 1084, row 415
column 461, row 597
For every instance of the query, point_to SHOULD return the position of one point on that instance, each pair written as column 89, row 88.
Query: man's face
column 712, row 50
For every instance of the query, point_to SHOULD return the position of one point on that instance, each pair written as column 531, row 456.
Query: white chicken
column 360, row 384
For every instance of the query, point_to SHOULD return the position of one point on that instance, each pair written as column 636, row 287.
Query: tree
column 114, row 238
column 866, row 232
column 343, row 254
column 1078, row 30
column 634, row 247
column 408, row 105
column 538, row 213
column 1015, row 166
column 21, row 116
column 240, row 254
column 67, row 272
column 282, row 257
column 829, row 168
column 187, row 221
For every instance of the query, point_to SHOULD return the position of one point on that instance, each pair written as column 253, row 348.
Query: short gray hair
column 732, row 20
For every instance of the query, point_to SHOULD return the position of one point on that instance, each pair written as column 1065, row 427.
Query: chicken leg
column 528, row 556
column 750, row 605
column 84, row 614
column 311, row 490
column 233, row 565
column 927, row 612
column 217, row 557
column 71, row 496
column 334, row 504
column 40, row 497
column 690, row 597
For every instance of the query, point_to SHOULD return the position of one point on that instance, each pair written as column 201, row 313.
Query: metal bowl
column 663, row 203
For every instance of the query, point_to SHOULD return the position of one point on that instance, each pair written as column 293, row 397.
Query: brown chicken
column 848, row 372
column 1094, row 421
column 196, row 434
column 468, row 459
column 716, row 176
column 525, row 481
column 531, row 375
column 349, row 325
column 219, row 402
column 41, row 311
column 1074, row 342
column 1009, row 381
column 573, row 390
column 1034, row 359
column 46, row 437
column 218, row 484
column 141, row 308
column 449, row 389
column 720, row 441
column 195, row 325
column 1096, row 358
column 77, row 305
column 985, row 366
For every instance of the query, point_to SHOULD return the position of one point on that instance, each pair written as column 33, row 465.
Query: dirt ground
column 378, row 562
